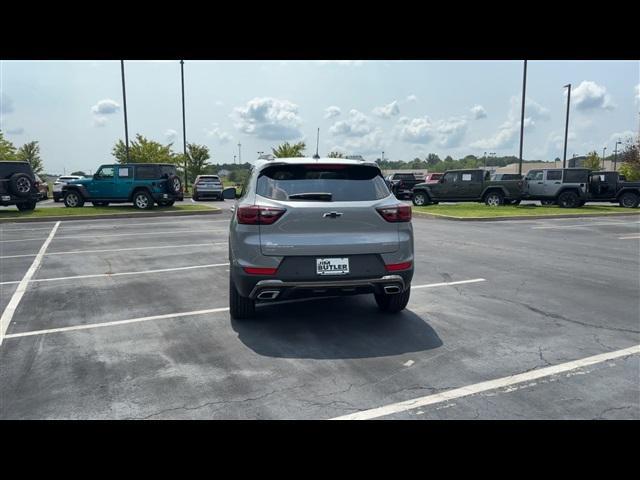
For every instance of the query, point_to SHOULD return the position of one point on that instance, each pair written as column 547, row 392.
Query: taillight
column 394, row 267
column 396, row 213
column 257, row 215
column 260, row 270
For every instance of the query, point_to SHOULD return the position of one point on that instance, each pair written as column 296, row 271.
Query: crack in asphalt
column 556, row 316
column 221, row 402
column 600, row 415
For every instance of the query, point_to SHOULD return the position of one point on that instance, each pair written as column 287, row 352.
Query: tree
column 287, row 151
column 630, row 158
column 142, row 150
column 30, row 153
column 197, row 159
column 7, row 149
column 335, row 155
column 592, row 162
column 433, row 159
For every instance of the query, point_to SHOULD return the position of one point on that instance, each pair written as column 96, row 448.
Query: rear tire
column 568, row 200
column 20, row 184
column 26, row 206
column 73, row 199
column 629, row 200
column 494, row 199
column 142, row 200
column 420, row 199
column 393, row 303
column 239, row 307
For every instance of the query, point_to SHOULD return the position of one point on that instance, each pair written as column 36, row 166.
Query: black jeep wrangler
column 18, row 186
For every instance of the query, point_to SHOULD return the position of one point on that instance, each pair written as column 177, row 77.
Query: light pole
column 184, row 126
column 382, row 156
column 124, row 101
column 603, row 150
column 234, row 159
column 484, row 157
column 524, row 90
column 566, row 126
column 239, row 154
column 615, row 157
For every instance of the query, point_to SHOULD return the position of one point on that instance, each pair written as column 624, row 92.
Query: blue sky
column 406, row 108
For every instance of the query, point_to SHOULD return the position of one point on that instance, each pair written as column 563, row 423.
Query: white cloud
column 219, row 103
column 589, row 95
column 412, row 98
column 222, row 136
column 99, row 121
column 447, row 133
column 6, row 104
column 372, row 142
column 478, row 112
column 387, row 111
column 332, row 111
column 357, row 125
column 105, row 107
column 509, row 131
column 268, row 118
column 621, row 137
column 15, row 131
column 170, row 135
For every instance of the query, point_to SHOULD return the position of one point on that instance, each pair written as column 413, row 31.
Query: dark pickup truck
column 609, row 187
column 468, row 186
column 401, row 184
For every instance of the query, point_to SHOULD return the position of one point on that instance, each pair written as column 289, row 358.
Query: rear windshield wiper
column 325, row 197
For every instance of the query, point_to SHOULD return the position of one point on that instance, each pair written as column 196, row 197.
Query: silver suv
column 566, row 187
column 307, row 227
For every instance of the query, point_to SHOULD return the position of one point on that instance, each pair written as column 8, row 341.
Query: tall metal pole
column 566, row 127
column 603, row 150
column 615, row 157
column 124, row 101
column 184, row 126
column 524, row 90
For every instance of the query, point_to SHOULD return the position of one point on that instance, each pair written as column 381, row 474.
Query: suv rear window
column 554, row 175
column 345, row 183
column 146, row 172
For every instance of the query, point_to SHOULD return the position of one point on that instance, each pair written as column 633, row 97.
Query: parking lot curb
column 164, row 213
column 522, row 217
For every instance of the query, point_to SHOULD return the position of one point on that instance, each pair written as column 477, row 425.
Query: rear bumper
column 7, row 199
column 208, row 193
column 265, row 290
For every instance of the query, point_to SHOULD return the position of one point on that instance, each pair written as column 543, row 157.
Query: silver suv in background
column 207, row 186
column 568, row 187
column 61, row 182
column 315, row 227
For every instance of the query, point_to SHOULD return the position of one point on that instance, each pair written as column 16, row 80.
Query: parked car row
column 567, row 188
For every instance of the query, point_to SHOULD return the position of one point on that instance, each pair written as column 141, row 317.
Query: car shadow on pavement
column 334, row 328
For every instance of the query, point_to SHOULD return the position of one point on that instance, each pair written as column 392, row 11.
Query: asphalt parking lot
column 128, row 318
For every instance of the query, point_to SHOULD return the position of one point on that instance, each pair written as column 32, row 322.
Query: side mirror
column 229, row 193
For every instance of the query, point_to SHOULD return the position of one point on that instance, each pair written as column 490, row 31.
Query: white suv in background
column 59, row 183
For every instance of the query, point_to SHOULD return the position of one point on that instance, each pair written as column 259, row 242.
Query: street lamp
column 615, row 157
column 124, row 101
column 603, row 150
column 184, row 126
column 566, row 126
column 524, row 90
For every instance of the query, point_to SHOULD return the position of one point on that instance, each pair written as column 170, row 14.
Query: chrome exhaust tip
column 392, row 289
column 268, row 294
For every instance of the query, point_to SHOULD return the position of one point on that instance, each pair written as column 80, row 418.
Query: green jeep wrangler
column 140, row 183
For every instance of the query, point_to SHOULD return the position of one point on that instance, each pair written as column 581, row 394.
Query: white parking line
column 444, row 284
column 632, row 237
column 584, row 225
column 118, row 322
column 7, row 315
column 171, row 232
column 485, row 386
column 102, row 275
column 73, row 252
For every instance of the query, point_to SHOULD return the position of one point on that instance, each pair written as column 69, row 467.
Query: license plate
column 6, row 198
column 332, row 266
